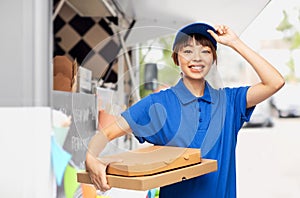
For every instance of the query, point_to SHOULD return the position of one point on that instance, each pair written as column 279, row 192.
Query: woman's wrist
column 236, row 43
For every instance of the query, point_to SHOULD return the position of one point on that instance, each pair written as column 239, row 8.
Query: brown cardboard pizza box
column 151, row 160
column 156, row 180
column 153, row 167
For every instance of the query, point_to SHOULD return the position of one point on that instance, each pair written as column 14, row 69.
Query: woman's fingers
column 214, row 35
column 100, row 182
column 97, row 172
column 104, row 185
column 223, row 35
column 100, row 178
column 221, row 29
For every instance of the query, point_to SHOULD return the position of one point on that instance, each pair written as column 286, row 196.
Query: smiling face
column 195, row 56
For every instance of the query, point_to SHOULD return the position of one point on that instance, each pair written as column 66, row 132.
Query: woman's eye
column 187, row 51
column 206, row 51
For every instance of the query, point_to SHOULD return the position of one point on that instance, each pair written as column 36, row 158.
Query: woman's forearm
column 97, row 144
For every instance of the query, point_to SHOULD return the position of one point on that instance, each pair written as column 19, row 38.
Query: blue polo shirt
column 175, row 117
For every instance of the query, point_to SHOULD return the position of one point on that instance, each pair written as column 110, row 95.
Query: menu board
column 83, row 110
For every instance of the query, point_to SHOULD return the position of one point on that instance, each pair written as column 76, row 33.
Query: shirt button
column 199, row 99
column 200, row 120
column 199, row 109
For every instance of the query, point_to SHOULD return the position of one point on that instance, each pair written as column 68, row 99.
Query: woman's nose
column 197, row 56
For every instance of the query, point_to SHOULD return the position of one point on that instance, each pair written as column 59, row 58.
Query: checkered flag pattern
column 84, row 39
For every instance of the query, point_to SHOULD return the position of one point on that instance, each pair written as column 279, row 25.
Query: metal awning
column 156, row 18
column 166, row 16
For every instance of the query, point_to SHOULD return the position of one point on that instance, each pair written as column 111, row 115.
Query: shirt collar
column 185, row 96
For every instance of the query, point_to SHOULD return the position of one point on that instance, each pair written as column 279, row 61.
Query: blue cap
column 195, row 28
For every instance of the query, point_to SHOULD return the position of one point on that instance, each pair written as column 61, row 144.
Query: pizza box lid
column 151, row 160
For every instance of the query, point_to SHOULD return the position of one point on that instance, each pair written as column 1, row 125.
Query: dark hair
column 185, row 40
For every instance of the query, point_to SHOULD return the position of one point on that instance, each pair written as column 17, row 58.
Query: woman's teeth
column 197, row 67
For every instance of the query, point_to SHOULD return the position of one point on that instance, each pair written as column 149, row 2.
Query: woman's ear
column 175, row 58
column 215, row 62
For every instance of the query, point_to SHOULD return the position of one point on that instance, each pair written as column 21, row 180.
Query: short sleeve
column 239, row 97
column 137, row 115
column 242, row 97
column 146, row 119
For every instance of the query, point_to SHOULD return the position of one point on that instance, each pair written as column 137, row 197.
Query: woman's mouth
column 196, row 67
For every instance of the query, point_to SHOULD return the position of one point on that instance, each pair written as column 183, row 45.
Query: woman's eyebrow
column 188, row 45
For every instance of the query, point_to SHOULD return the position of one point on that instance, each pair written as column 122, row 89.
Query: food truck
column 57, row 55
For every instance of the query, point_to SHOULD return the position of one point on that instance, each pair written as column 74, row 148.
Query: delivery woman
column 193, row 113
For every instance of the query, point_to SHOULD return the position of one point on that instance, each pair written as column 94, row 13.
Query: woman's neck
column 196, row 87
